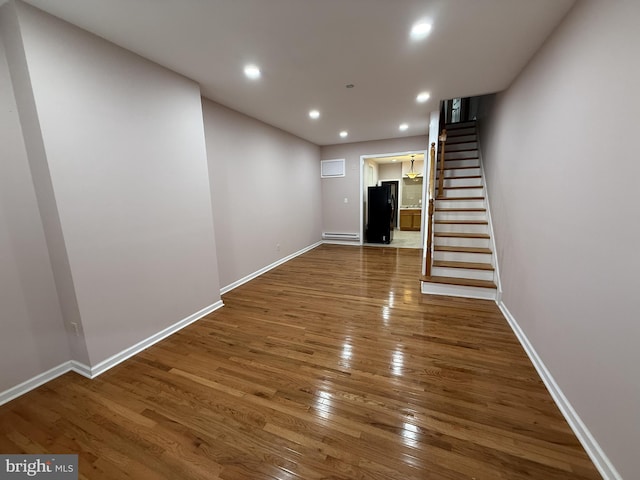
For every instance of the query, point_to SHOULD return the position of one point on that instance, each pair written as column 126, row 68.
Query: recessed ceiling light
column 344, row 133
column 420, row 30
column 423, row 97
column 403, row 127
column 314, row 114
column 252, row 72
column 394, row 160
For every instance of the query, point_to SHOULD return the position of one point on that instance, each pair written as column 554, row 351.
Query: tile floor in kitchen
column 402, row 239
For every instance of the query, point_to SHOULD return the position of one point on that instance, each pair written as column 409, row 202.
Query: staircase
column 463, row 260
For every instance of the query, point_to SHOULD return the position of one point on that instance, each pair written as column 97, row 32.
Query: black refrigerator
column 380, row 208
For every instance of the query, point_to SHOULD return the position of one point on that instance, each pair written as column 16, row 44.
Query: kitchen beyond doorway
column 402, row 239
column 404, row 172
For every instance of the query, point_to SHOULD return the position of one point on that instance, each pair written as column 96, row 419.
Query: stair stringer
column 494, row 248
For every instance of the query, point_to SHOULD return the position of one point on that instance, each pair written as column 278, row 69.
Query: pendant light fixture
column 411, row 174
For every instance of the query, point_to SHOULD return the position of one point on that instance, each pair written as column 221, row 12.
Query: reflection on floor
column 402, row 239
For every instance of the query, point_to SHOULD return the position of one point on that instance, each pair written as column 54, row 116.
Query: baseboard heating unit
column 341, row 236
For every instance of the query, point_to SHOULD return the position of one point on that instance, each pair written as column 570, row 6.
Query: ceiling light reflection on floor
column 347, row 352
column 386, row 315
column 410, row 434
column 397, row 362
column 323, row 404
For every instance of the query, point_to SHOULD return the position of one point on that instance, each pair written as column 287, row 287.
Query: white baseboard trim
column 92, row 372
column 342, row 242
column 591, row 446
column 80, row 368
column 35, row 382
column 146, row 343
column 257, row 273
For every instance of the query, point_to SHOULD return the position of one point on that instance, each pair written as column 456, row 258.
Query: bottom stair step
column 465, row 282
column 472, row 265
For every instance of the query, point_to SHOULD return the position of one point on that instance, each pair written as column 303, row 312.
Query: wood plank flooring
column 332, row 365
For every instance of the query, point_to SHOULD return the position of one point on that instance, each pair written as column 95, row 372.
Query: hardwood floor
column 333, row 365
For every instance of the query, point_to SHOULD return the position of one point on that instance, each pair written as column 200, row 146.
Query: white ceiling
column 403, row 157
column 308, row 50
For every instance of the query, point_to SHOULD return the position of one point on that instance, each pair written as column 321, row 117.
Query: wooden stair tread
column 459, row 125
column 456, row 133
column 446, row 248
column 461, row 151
column 465, row 282
column 461, row 235
column 462, row 187
column 462, row 222
column 461, row 168
column 470, row 265
column 460, row 177
column 461, row 141
column 459, row 198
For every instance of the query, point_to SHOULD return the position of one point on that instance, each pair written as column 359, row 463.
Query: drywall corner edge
column 129, row 352
column 92, row 372
column 257, row 273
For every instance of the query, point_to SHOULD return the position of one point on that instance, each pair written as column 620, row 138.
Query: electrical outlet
column 76, row 328
column 277, row 247
column 346, row 200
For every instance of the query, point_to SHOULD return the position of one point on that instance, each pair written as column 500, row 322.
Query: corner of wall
column 28, row 114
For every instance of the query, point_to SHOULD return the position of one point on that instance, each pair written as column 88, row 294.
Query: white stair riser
column 461, row 146
column 463, row 192
column 462, row 242
column 460, row 172
column 462, row 257
column 461, row 228
column 463, row 162
column 462, row 273
column 460, row 203
column 455, row 155
column 460, row 215
column 462, row 138
column 463, row 182
column 458, row 291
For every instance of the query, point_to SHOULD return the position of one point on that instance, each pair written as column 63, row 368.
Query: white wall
column 390, row 171
column 562, row 172
column 372, row 173
column 341, row 217
column 124, row 145
column 33, row 338
column 265, row 188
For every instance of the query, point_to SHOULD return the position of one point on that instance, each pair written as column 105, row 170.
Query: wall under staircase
column 463, row 256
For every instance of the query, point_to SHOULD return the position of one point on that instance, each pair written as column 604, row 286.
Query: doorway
column 405, row 178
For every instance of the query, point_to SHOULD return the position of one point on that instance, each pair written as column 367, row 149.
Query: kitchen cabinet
column 410, row 219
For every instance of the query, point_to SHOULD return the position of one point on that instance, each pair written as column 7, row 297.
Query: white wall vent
column 332, row 168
